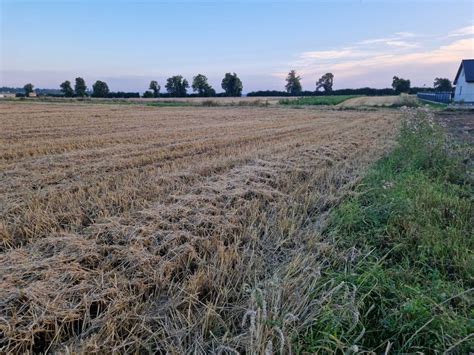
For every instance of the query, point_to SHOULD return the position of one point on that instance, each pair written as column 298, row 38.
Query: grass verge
column 317, row 100
column 406, row 240
column 168, row 103
column 432, row 104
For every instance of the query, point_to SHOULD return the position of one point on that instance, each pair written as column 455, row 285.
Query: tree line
column 293, row 87
column 293, row 83
column 177, row 86
column 325, row 82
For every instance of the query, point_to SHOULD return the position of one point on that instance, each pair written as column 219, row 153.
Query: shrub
column 148, row 95
column 320, row 100
column 209, row 103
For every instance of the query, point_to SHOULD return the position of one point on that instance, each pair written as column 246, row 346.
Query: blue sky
column 127, row 44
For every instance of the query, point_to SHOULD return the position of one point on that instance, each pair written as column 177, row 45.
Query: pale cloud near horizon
column 405, row 34
column 403, row 52
column 396, row 38
column 464, row 31
column 347, row 52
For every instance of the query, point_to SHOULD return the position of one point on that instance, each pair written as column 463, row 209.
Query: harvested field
column 459, row 123
column 191, row 101
column 244, row 100
column 378, row 101
column 132, row 228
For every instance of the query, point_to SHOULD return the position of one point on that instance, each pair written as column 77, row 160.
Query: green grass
column 317, row 100
column 406, row 240
column 168, row 103
column 435, row 105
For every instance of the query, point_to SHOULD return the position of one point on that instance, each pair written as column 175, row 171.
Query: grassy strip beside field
column 433, row 104
column 168, row 103
column 317, row 100
column 407, row 236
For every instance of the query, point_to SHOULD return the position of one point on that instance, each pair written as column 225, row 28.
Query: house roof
column 468, row 65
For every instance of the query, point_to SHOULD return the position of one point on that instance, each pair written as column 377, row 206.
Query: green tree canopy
column 100, row 89
column 176, row 86
column 155, row 88
column 232, row 85
column 80, row 87
column 325, row 82
column 66, row 88
column 148, row 95
column 400, row 85
column 202, row 87
column 443, row 84
column 293, row 83
column 28, row 89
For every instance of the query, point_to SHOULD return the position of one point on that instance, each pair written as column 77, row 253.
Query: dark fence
column 442, row 97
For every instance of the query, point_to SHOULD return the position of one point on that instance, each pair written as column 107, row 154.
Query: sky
column 128, row 43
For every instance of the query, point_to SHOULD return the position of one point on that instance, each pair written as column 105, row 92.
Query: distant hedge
column 123, row 95
column 360, row 91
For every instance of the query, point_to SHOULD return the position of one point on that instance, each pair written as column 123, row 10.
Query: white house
column 464, row 82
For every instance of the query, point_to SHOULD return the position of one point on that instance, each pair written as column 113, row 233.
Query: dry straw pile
column 171, row 229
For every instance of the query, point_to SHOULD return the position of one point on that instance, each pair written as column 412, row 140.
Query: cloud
column 402, row 44
column 333, row 54
column 454, row 51
column 399, row 38
column 395, row 54
column 463, row 31
column 405, row 34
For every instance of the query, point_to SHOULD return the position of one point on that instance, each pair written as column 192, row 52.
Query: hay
column 176, row 230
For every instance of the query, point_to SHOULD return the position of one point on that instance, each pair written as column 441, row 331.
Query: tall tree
column 28, row 89
column 293, row 83
column 100, row 89
column 155, row 88
column 202, row 87
column 400, row 85
column 80, row 87
column 176, row 86
column 66, row 88
column 325, row 82
column 443, row 84
column 232, row 85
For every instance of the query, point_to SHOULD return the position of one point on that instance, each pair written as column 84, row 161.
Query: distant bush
column 253, row 103
column 148, row 95
column 365, row 92
column 407, row 101
column 415, row 90
column 321, row 100
column 360, row 91
column 270, row 93
column 209, row 103
column 123, row 95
